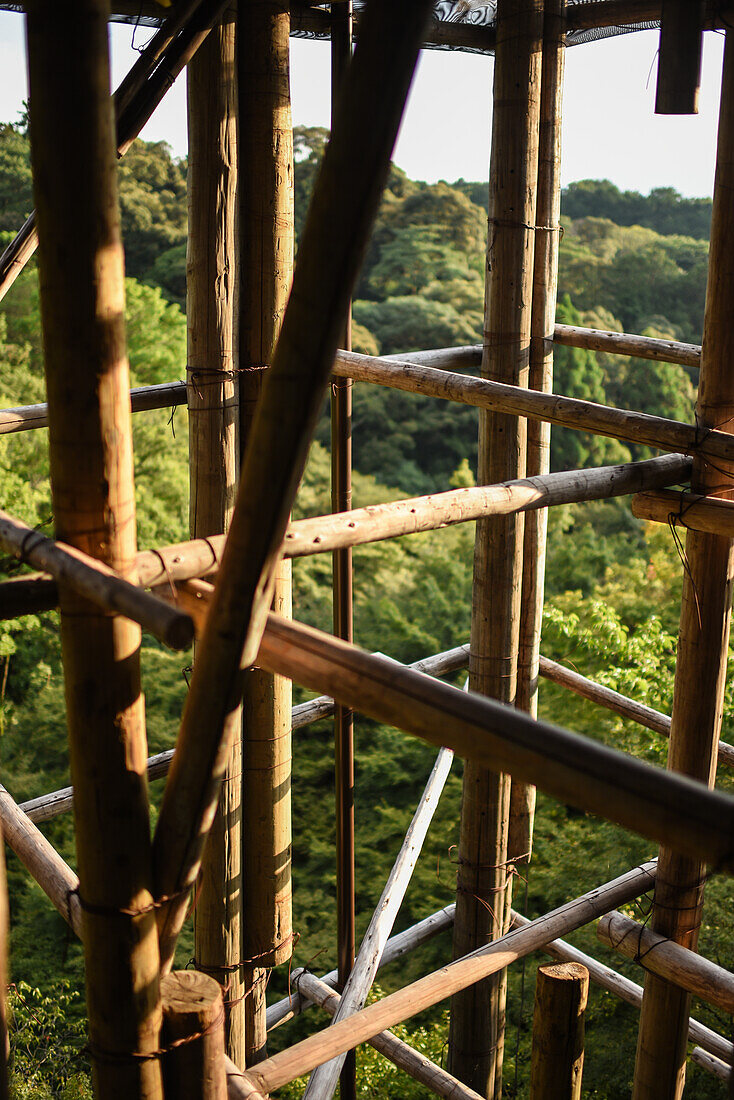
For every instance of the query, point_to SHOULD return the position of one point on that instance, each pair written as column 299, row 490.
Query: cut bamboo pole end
column 668, row 960
column 193, row 1036
column 96, row 581
column 561, row 995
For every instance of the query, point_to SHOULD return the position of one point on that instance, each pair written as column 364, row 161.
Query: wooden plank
column 91, row 468
column 344, row 202
column 702, row 642
column 323, row 1081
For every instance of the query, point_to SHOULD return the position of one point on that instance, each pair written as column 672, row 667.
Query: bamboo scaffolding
column 679, row 57
column 418, row 1066
column 96, row 581
column 702, row 643
column 566, row 412
column 90, row 449
column 213, row 470
column 557, row 1060
column 483, row 882
column 25, row 418
column 698, row 512
column 266, row 244
column 713, row 1065
column 658, row 955
column 406, row 1002
column 323, row 1081
column 623, row 343
column 344, row 201
column 545, row 293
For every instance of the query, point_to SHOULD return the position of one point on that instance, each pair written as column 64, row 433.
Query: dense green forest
column 628, row 262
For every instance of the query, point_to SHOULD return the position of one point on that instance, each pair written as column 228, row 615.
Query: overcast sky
column 610, row 130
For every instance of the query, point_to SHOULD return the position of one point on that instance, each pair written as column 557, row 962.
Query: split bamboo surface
column 669, row 960
column 652, row 802
column 698, row 512
column 345, row 199
column 193, row 1036
column 557, row 1059
column 406, row 1002
column 418, row 1066
column 96, row 581
column 323, row 1081
column 703, row 639
column 567, row 412
column 483, row 881
column 91, row 473
column 213, row 469
column 545, row 293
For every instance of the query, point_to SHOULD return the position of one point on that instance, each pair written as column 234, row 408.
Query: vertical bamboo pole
column 702, row 639
column 4, row 939
column 213, row 466
column 341, row 501
column 266, row 268
column 476, row 1037
column 557, row 1064
column 193, row 1033
column 82, row 311
column 545, row 293
column 679, row 57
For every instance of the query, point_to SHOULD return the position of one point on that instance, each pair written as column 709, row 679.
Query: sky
column 610, row 130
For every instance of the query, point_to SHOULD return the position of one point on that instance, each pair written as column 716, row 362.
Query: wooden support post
column 214, row 466
column 4, row 940
column 545, row 293
column 342, row 26
column 193, row 1036
column 679, row 57
column 344, row 202
column 476, row 1035
column 90, row 445
column 561, row 994
column 266, row 232
column 702, row 642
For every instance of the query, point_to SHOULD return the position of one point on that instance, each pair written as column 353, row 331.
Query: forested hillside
column 628, row 262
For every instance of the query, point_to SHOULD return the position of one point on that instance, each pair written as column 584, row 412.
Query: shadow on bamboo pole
column 90, row 449
column 214, row 466
column 545, row 293
column 483, row 889
column 702, row 641
column 266, row 246
column 344, row 202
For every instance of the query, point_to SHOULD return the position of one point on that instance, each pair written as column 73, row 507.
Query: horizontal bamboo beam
column 624, row 343
column 654, row 803
column 661, row 956
column 566, row 412
column 691, row 510
column 406, row 1002
column 628, row 991
column 711, row 1064
column 26, row 418
column 96, row 581
column 620, row 704
column 405, row 1057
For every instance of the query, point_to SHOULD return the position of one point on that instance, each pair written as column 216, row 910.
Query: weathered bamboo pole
column 702, row 643
column 696, row 511
column 201, row 557
column 679, row 57
column 266, row 243
column 583, row 773
column 90, row 449
column 406, row 1002
column 344, row 201
column 214, row 467
column 25, row 418
column 557, row 1061
column 623, row 343
column 567, row 412
column 628, row 991
column 4, row 939
column 97, row 581
column 712, row 1065
column 669, row 960
column 193, row 1033
column 543, row 314
column 342, row 28
column 483, row 881
column 418, row 1066
column 323, row 1081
